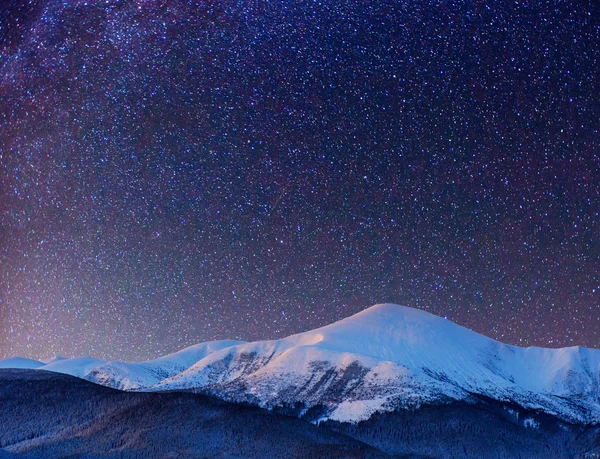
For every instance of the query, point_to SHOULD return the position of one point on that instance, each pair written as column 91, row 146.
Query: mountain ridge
column 384, row 358
column 406, row 358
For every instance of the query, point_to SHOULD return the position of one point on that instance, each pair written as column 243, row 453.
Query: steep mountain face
column 389, row 357
column 125, row 376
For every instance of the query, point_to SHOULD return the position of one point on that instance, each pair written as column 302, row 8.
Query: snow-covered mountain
column 121, row 375
column 384, row 358
column 20, row 362
column 79, row 366
column 389, row 356
column 54, row 359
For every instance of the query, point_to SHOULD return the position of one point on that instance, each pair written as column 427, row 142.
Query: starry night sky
column 175, row 172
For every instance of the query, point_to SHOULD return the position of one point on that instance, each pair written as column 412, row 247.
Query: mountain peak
column 395, row 312
column 387, row 330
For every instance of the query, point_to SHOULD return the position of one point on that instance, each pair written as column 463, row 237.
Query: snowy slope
column 57, row 358
column 79, row 366
column 127, row 376
column 20, row 362
column 391, row 356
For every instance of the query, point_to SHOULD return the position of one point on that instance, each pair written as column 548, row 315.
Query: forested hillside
column 48, row 414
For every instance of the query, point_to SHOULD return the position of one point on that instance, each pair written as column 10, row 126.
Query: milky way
column 177, row 172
